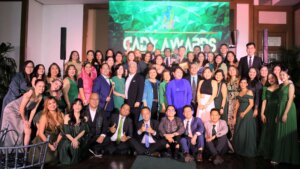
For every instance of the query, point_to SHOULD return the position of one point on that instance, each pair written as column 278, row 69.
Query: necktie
column 214, row 130
column 167, row 62
column 147, row 144
column 187, row 128
column 250, row 61
column 120, row 130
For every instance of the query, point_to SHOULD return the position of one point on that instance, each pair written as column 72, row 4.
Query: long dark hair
column 26, row 76
column 67, row 71
column 71, row 113
column 226, row 58
column 35, row 72
column 95, row 60
column 222, row 72
column 49, row 70
column 273, row 74
column 256, row 79
column 70, row 57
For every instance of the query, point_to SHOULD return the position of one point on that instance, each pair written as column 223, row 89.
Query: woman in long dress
column 233, row 81
column 75, row 128
column 119, row 88
column 286, row 146
column 70, row 88
column 206, row 93
column 244, row 138
column 268, row 115
column 18, row 115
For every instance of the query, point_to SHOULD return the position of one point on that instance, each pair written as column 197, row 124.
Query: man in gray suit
column 215, row 135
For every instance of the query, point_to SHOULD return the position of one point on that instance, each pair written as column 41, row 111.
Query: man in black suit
column 147, row 142
column 97, row 125
column 194, row 79
column 134, row 89
column 249, row 61
column 120, row 131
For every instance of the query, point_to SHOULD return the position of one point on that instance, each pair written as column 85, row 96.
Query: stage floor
column 126, row 162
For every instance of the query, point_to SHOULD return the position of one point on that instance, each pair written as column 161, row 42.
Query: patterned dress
column 233, row 92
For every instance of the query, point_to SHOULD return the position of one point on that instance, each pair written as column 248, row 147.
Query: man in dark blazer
column 102, row 86
column 97, row 125
column 194, row 79
column 120, row 131
column 216, row 137
column 192, row 141
column 249, row 61
column 134, row 89
column 147, row 141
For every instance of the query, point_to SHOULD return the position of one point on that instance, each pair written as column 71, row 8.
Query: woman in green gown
column 221, row 101
column 119, row 87
column 70, row 88
column 166, row 77
column 244, row 138
column 286, row 146
column 50, row 124
column 268, row 114
column 73, row 144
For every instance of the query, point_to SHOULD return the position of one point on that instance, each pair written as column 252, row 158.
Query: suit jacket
column 101, row 87
column 244, row 68
column 188, row 78
column 197, row 126
column 136, row 90
column 99, row 125
column 221, row 131
column 127, row 126
column 154, row 125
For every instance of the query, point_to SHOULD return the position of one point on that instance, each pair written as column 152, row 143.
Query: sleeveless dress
column 67, row 154
column 73, row 91
column 12, row 119
column 218, row 102
column 266, row 145
column 233, row 92
column 286, row 147
column 206, row 92
column 120, row 88
column 244, row 139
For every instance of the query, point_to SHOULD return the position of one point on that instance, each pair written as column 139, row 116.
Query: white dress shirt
column 115, row 136
column 151, row 140
column 189, row 126
column 106, row 78
column 92, row 113
column 127, row 84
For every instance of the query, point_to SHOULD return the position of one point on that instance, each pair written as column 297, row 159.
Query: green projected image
column 168, row 24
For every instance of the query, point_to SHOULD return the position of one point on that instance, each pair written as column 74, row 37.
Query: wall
column 10, row 26
column 102, row 22
column 43, row 41
column 34, row 33
column 55, row 17
column 242, row 26
column 297, row 28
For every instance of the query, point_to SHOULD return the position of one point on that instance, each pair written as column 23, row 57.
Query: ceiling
column 63, row 2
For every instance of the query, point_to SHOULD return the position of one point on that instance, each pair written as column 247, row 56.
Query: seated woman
column 18, row 115
column 75, row 130
column 50, row 124
column 171, row 128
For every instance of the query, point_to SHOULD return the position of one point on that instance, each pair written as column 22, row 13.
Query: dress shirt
column 115, row 136
column 248, row 59
column 127, row 84
column 92, row 113
column 190, row 123
column 151, row 140
column 107, row 79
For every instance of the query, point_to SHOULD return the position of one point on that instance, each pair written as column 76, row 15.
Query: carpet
column 146, row 162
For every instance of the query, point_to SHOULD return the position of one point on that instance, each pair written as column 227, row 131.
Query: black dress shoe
column 218, row 160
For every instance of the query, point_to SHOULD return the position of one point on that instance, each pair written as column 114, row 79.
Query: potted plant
column 7, row 69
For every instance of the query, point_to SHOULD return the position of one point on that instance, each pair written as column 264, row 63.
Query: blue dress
column 179, row 94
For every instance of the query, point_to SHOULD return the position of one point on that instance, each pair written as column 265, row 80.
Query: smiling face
column 284, row 76
column 105, row 70
column 188, row 112
column 146, row 114
column 72, row 71
column 170, row 111
column 272, row 80
column 243, row 84
column 178, row 74
column 207, row 74
column 125, row 110
column 251, row 50
column 51, row 105
column 232, row 71
column 39, row 87
column 29, row 68
column 214, row 116
column 264, row 72
column 219, row 77
column 90, row 56
column 56, row 85
column 54, row 70
column 77, row 107
column 252, row 73
column 152, row 74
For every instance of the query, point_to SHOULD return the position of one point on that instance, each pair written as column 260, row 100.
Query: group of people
column 155, row 104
